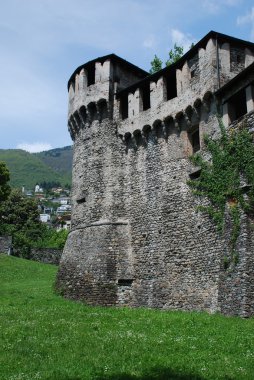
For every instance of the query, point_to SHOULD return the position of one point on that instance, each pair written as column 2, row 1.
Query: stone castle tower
column 137, row 238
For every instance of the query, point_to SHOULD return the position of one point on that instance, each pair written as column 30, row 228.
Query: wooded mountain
column 28, row 169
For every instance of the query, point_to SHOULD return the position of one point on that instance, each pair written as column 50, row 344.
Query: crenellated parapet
column 184, row 122
column 112, row 87
column 214, row 61
column 89, row 85
column 192, row 113
column 84, row 116
column 91, row 89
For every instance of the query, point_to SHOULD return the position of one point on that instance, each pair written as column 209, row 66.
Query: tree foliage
column 52, row 239
column 174, row 55
column 19, row 217
column 228, row 178
column 156, row 65
column 20, row 211
column 4, row 179
column 48, row 185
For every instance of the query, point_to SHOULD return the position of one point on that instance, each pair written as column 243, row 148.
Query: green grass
column 44, row 336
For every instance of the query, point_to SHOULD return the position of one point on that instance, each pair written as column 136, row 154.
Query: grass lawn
column 44, row 336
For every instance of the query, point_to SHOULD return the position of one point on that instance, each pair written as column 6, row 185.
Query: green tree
column 19, row 217
column 20, row 211
column 4, row 178
column 174, row 54
column 52, row 239
column 156, row 65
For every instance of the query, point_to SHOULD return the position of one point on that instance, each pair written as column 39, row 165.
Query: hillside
column 59, row 159
column 27, row 169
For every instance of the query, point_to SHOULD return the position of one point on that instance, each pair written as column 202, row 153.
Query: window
column 91, row 75
column 145, row 95
column 125, row 282
column 81, row 200
column 124, row 106
column 237, row 105
column 171, row 86
column 193, row 65
column 195, row 174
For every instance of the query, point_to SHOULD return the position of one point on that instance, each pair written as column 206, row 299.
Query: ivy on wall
column 227, row 179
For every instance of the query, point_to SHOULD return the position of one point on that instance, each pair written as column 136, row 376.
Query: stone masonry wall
column 137, row 238
column 97, row 248
column 46, row 255
column 175, row 250
column 236, row 285
column 5, row 244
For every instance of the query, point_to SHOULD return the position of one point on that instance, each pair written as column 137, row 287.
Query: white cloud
column 247, row 19
column 182, row 39
column 149, row 42
column 34, row 147
column 211, row 6
column 214, row 6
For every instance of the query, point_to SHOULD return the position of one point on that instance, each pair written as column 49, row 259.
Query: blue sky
column 43, row 41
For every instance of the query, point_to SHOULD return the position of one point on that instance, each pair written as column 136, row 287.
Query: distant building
column 63, row 209
column 44, row 218
column 38, row 189
column 57, row 190
column 61, row 200
column 63, row 223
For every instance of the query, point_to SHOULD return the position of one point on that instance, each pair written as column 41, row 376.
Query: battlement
column 91, row 88
column 112, row 87
column 211, row 63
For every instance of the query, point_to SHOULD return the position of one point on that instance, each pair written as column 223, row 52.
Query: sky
column 43, row 41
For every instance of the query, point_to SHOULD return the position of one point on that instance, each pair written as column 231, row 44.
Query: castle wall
column 98, row 249
column 46, row 255
column 137, row 238
column 5, row 244
column 236, row 283
column 176, row 250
